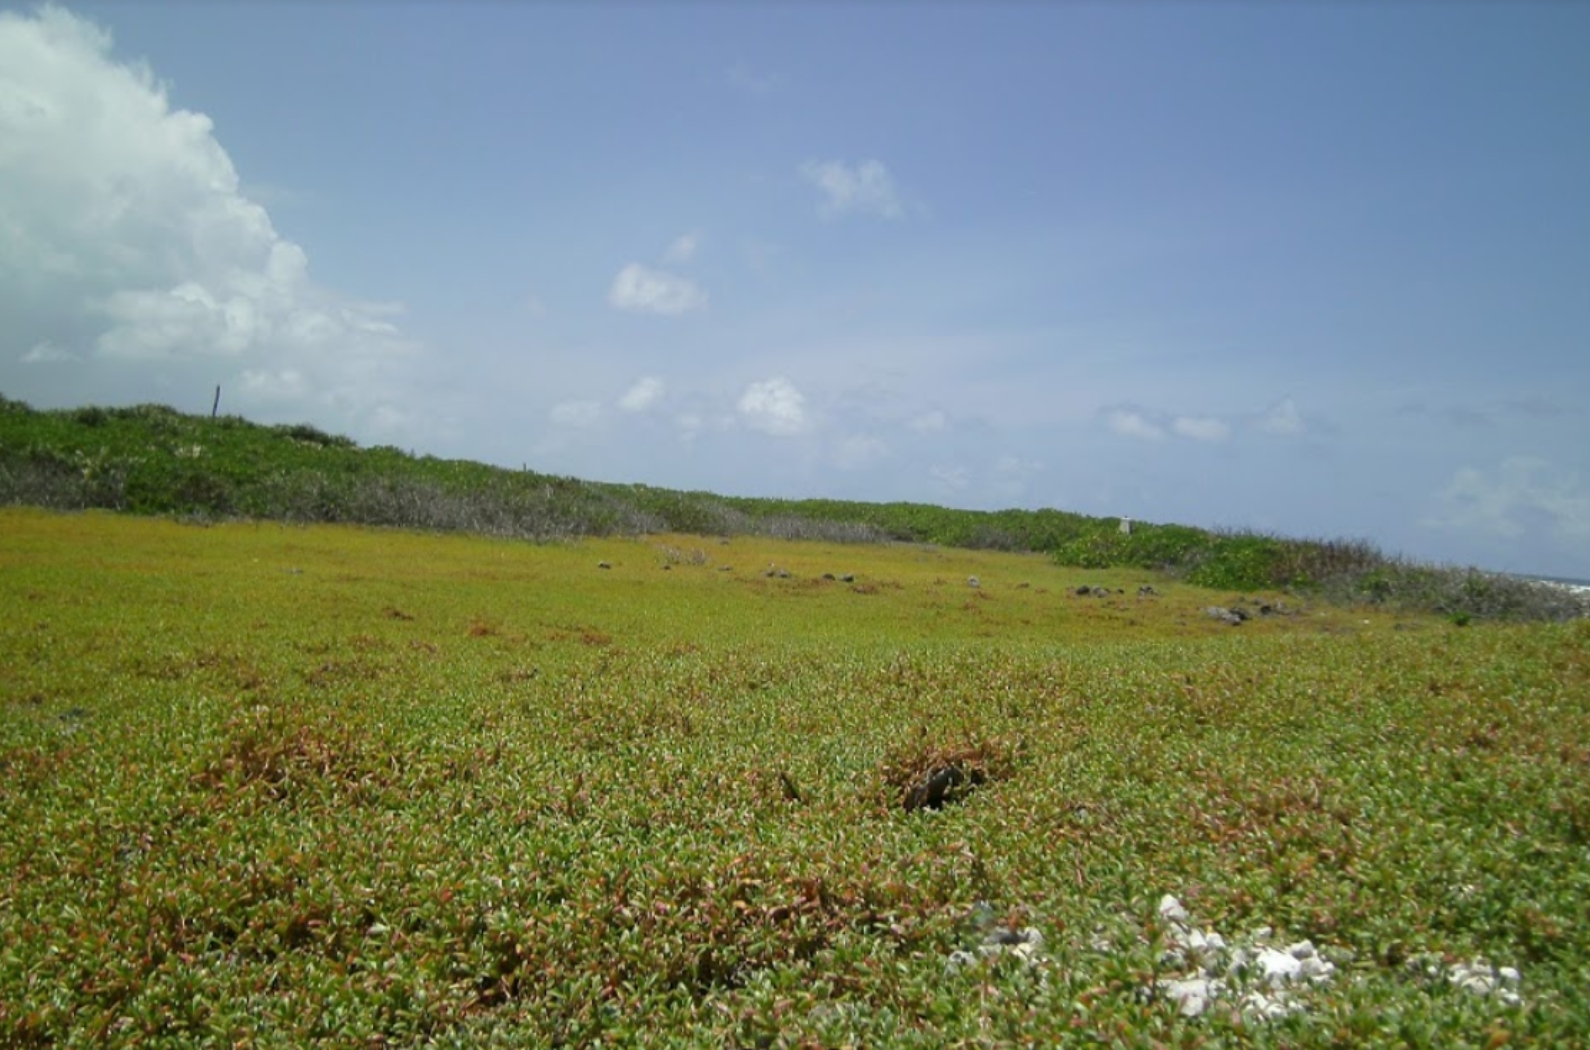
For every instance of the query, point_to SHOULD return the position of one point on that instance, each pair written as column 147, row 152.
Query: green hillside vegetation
column 265, row 784
column 151, row 459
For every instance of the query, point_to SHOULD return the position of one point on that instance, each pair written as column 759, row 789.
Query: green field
column 263, row 784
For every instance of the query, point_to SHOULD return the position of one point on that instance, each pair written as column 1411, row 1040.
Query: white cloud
column 578, row 415
column 683, row 249
column 46, row 352
column 1282, row 418
column 750, row 80
column 951, row 477
column 124, row 230
column 1201, row 428
column 690, row 424
column 867, row 188
column 1134, row 424
column 288, row 384
column 774, row 406
column 1016, row 466
column 641, row 289
column 929, row 422
column 859, row 451
column 1523, row 496
column 642, row 395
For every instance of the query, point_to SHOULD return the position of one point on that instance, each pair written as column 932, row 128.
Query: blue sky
column 1317, row 269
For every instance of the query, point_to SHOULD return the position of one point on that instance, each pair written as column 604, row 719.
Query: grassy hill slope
column 151, row 459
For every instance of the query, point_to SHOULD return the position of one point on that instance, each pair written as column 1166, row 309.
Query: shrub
column 313, row 436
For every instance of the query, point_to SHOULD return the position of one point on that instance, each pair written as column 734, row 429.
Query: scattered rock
column 603, row 565
column 1217, row 968
column 1146, row 591
column 998, row 942
column 1235, row 617
column 973, row 581
column 848, row 577
column 828, row 576
column 1253, row 978
column 1481, row 978
column 1192, row 995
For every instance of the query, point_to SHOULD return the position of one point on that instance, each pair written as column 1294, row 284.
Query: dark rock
column 1083, row 591
column 603, row 565
column 940, row 787
column 1224, row 615
column 1146, row 591
column 848, row 577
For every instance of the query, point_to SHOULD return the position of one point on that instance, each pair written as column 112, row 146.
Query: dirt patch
column 926, row 774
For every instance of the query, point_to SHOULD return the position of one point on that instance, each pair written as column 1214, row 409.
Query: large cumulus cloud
column 132, row 265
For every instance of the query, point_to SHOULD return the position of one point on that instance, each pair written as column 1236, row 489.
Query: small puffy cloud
column 773, row 406
column 750, row 80
column 577, row 415
column 642, row 395
column 683, row 249
column 951, row 477
column 1012, row 475
column 287, row 384
column 1134, row 424
column 46, row 352
column 1201, row 428
column 866, row 188
column 859, row 451
column 690, row 424
column 1524, row 496
column 1016, row 466
column 644, row 290
column 1282, row 418
column 929, row 422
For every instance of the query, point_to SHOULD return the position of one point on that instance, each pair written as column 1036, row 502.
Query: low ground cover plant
column 279, row 785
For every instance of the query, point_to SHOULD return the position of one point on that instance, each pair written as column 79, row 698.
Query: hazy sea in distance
column 1570, row 582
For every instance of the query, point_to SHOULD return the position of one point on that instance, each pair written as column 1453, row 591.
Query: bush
column 313, row 436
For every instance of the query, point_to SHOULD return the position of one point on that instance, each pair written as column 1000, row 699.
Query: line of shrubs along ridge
column 152, row 459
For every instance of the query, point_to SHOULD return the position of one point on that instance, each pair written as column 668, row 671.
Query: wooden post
column 216, row 405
